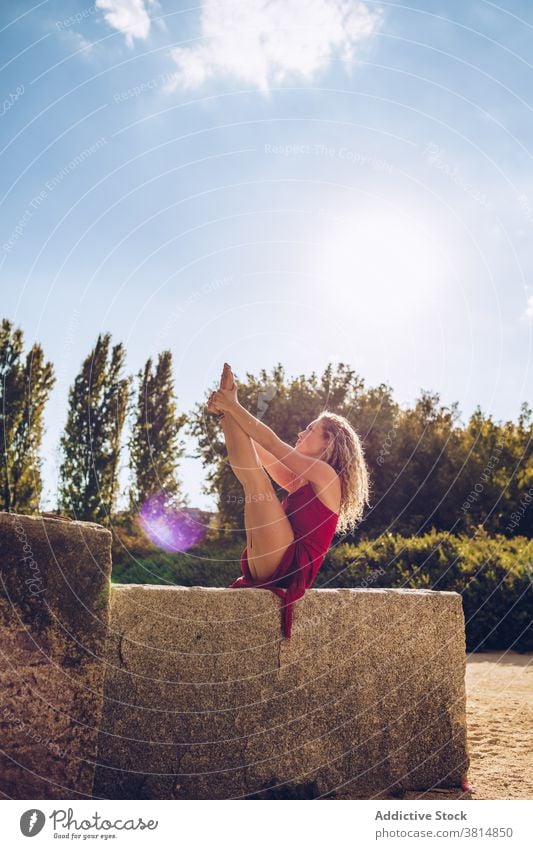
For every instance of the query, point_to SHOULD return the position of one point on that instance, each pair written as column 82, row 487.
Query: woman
column 327, row 480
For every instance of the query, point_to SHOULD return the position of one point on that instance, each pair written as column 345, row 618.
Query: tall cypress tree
column 154, row 445
column 98, row 402
column 24, row 391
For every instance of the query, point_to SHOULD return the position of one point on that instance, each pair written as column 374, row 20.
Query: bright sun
column 390, row 260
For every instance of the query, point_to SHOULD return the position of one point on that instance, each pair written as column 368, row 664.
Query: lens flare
column 167, row 527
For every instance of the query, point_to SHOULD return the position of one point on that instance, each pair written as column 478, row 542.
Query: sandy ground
column 499, row 709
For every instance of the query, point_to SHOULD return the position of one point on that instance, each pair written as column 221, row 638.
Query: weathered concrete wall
column 55, row 578
column 203, row 699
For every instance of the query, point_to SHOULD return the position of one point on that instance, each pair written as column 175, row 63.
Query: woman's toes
column 226, row 381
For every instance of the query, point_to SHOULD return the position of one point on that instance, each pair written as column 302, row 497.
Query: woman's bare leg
column 268, row 530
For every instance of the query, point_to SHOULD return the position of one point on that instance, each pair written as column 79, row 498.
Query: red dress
column 314, row 526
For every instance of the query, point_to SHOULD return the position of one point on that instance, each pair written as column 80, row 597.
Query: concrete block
column 204, row 700
column 54, row 604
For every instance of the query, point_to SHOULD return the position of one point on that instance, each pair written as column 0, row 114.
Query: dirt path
column 499, row 691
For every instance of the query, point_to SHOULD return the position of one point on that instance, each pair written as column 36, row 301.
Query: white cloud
column 128, row 16
column 263, row 42
column 529, row 308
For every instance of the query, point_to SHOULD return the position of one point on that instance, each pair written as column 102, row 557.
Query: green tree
column 91, row 442
column 24, row 391
column 422, row 469
column 427, row 469
column 497, row 471
column 155, row 448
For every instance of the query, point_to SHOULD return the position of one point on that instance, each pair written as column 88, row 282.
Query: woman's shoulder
column 330, row 494
column 295, row 485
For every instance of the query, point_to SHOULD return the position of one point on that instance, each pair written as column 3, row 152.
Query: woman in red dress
column 327, row 479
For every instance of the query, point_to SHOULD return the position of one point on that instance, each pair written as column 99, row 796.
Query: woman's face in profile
column 312, row 440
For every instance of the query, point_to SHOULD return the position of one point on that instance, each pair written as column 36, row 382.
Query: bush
column 212, row 563
column 492, row 574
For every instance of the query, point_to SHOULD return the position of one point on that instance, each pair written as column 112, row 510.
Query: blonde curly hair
column 346, row 455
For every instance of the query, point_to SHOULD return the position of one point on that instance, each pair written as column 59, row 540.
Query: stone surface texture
column 204, row 699
column 54, row 606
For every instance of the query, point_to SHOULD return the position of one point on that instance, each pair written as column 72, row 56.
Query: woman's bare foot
column 466, row 786
column 227, row 380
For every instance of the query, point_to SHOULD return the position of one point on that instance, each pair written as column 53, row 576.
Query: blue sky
column 295, row 181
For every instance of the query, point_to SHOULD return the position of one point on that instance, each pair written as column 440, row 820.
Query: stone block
column 204, row 700
column 54, row 605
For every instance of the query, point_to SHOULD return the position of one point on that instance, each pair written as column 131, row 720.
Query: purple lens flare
column 168, row 527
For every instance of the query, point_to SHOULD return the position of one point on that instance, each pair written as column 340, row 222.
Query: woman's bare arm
column 275, row 468
column 313, row 469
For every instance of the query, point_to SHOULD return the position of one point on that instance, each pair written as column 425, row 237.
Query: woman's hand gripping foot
column 229, row 390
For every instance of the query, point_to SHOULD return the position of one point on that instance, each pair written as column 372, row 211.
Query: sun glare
column 390, row 260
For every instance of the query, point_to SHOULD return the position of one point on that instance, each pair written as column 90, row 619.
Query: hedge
column 493, row 574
